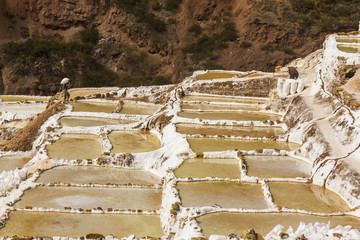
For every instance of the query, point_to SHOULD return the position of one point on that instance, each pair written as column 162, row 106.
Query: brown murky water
column 224, row 144
column 225, row 194
column 12, row 162
column 200, row 106
column 97, row 175
column 77, row 197
column 348, row 48
column 76, row 146
column 306, row 197
column 190, row 129
column 277, row 167
column 235, row 116
column 215, row 75
column 263, row 223
column 12, row 98
column 133, row 141
column 47, row 224
column 91, row 121
column 348, row 39
column 202, row 98
column 106, row 107
column 209, row 167
column 138, row 109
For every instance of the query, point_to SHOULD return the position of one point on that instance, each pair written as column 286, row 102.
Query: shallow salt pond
column 77, row 197
column 225, row 194
column 277, row 167
column 209, row 167
column 348, row 48
column 76, row 146
column 133, row 141
column 202, row 106
column 224, row 144
column 48, row 224
column 106, row 107
column 139, row 109
column 216, row 75
column 91, row 121
column 306, row 197
column 18, row 98
column 238, row 131
column 205, row 98
column 97, row 175
column 263, row 223
column 12, row 162
column 230, row 115
column 348, row 39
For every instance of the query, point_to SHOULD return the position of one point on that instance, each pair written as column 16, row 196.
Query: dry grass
column 24, row 139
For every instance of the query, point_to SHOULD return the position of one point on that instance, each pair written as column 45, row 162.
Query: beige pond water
column 348, row 39
column 212, row 130
column 306, row 197
column 97, row 175
column 348, row 48
column 209, row 167
column 225, row 194
column 200, row 106
column 236, row 116
column 224, row 144
column 48, row 224
column 138, row 109
column 12, row 162
column 277, row 167
column 133, row 141
column 91, row 121
column 202, row 98
column 106, row 107
column 15, row 98
column 76, row 146
column 216, row 75
column 77, row 197
column 263, row 223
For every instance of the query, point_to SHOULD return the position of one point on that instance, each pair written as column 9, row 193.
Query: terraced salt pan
column 97, row 175
column 79, row 197
column 230, row 115
column 11, row 162
column 139, row 109
column 306, row 197
column 205, row 98
column 208, row 107
column 224, row 144
column 83, row 106
column 133, row 141
column 216, row 75
column 227, row 223
column 76, row 146
column 209, row 167
column 23, row 108
column 44, row 224
column 225, row 194
column 348, row 39
column 18, row 98
column 349, row 48
column 277, row 167
column 212, row 130
column 91, row 121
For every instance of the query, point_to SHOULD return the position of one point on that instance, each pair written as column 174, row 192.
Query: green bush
column 245, row 45
column 8, row 15
column 172, row 5
column 195, row 29
column 90, row 35
column 272, row 47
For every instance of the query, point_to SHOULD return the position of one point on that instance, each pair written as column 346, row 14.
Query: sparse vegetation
column 172, row 5
column 90, row 35
column 273, row 47
column 195, row 29
column 245, row 45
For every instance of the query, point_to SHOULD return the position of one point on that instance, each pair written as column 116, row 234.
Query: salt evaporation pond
column 91, row 121
column 230, row 115
column 263, row 223
column 97, row 175
column 77, row 197
column 209, row 167
column 139, row 109
column 212, row 130
column 307, row 197
column 349, row 48
column 204, row 106
column 19, row 98
column 82, row 106
column 11, row 162
column 76, row 146
column 232, row 99
column 216, row 75
column 348, row 39
column 277, row 167
column 133, row 141
column 46, row 224
column 225, row 194
column 224, row 144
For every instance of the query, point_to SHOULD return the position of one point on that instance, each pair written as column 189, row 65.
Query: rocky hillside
column 143, row 42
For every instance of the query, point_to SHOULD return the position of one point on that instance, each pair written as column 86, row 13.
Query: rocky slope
column 163, row 38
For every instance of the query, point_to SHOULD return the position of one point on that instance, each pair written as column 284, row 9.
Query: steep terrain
column 154, row 42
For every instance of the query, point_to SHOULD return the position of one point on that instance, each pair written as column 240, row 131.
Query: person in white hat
column 65, row 86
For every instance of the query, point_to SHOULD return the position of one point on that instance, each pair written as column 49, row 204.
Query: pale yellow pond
column 18, row 98
column 11, row 162
column 202, row 106
column 106, row 107
column 230, row 115
column 216, row 75
column 204, row 98
column 348, row 39
column 91, row 121
column 139, row 109
column 349, row 48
